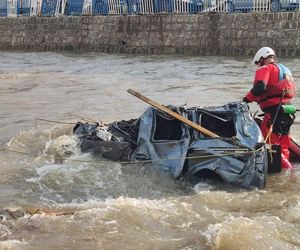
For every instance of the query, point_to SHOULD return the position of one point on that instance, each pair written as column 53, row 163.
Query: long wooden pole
column 173, row 114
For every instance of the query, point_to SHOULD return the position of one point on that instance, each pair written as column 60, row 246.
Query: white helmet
column 262, row 52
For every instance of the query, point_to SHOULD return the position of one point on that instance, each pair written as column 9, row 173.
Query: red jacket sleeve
column 262, row 76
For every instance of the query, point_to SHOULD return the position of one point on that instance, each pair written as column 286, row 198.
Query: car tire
column 275, row 5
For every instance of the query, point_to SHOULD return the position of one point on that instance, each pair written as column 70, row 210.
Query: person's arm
column 259, row 87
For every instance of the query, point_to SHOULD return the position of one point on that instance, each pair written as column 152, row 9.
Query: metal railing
column 14, row 8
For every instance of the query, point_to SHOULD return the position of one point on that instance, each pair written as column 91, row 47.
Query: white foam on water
column 63, row 147
column 251, row 233
column 33, row 147
column 76, row 178
column 110, row 203
column 14, row 244
column 23, row 140
column 292, row 214
column 202, row 186
column 5, row 231
column 64, row 171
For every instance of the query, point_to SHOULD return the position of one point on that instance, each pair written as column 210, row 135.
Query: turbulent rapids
column 237, row 156
column 76, row 200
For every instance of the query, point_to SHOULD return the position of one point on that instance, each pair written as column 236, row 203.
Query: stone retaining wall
column 195, row 34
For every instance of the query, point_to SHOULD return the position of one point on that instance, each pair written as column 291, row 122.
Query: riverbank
column 190, row 34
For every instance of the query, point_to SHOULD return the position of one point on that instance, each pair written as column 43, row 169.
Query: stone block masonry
column 191, row 34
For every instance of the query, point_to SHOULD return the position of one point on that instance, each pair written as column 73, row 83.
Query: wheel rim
column 275, row 6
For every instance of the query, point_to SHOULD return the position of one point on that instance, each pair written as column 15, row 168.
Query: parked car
column 277, row 5
column 3, row 12
column 3, row 8
column 191, row 6
column 196, row 6
column 230, row 6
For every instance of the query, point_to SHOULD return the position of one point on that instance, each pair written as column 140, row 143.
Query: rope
column 46, row 120
column 72, row 123
column 87, row 119
column 268, row 137
column 127, row 162
column 135, row 162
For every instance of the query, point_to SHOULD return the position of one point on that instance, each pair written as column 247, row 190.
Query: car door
column 243, row 5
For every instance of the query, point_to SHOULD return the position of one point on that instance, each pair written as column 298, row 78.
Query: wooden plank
column 173, row 114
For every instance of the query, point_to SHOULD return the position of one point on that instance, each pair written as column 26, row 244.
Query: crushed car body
column 238, row 156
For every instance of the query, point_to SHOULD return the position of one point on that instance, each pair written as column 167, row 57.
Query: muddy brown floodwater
column 130, row 206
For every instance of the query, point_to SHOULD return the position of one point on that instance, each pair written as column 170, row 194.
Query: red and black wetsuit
column 273, row 86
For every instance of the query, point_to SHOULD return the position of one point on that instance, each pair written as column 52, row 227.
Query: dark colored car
column 230, row 6
column 238, row 156
column 188, row 6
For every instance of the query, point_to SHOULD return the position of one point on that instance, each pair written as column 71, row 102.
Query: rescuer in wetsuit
column 273, row 90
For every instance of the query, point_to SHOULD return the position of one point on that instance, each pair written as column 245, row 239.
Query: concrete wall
column 197, row 34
